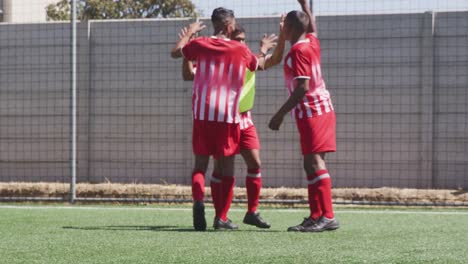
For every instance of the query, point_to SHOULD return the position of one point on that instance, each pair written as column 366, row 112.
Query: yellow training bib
column 247, row 96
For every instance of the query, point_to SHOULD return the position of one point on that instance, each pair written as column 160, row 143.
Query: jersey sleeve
column 251, row 61
column 191, row 50
column 301, row 65
column 311, row 36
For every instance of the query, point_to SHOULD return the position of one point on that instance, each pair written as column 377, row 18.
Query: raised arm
column 308, row 10
column 193, row 28
column 277, row 55
column 266, row 44
column 187, row 66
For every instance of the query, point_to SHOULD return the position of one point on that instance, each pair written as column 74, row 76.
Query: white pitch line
column 370, row 211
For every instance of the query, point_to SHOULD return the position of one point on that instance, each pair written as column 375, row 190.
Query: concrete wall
column 398, row 83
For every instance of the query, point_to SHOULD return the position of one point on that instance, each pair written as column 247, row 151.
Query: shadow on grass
column 156, row 228
column 460, row 192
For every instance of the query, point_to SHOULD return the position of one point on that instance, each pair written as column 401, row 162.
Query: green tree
column 122, row 9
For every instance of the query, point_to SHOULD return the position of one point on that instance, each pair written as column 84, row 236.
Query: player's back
column 221, row 67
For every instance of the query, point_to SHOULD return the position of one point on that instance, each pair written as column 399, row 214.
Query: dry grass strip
column 116, row 190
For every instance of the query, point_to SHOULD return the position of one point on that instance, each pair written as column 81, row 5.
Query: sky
column 247, row 8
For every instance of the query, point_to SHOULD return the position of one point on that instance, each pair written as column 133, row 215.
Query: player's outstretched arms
column 277, row 55
column 302, row 86
column 308, row 10
column 185, row 38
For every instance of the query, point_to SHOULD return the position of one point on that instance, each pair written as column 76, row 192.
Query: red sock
column 227, row 194
column 198, row 185
column 314, row 199
column 216, row 194
column 253, row 184
column 325, row 193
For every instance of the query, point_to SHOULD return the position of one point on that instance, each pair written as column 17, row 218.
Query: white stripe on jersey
column 317, row 104
column 300, row 114
column 236, row 106
column 231, row 99
column 325, row 103
column 307, row 107
column 201, row 72
column 222, row 104
column 204, row 92
column 246, row 120
column 195, row 101
column 214, row 94
column 228, row 97
column 331, row 104
column 212, row 103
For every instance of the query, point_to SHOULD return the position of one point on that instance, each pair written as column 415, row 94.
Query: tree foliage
column 122, row 9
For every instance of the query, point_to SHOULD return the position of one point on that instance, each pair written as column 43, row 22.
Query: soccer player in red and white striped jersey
column 312, row 108
column 218, row 83
column 249, row 141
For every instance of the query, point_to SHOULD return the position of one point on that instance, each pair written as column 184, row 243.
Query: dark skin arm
column 302, row 85
column 312, row 28
column 277, row 55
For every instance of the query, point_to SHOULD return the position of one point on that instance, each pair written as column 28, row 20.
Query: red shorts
column 249, row 138
column 318, row 134
column 215, row 139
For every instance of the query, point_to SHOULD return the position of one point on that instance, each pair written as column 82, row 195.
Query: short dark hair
column 298, row 19
column 239, row 29
column 220, row 16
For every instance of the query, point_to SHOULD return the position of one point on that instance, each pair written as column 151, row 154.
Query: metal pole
column 73, row 104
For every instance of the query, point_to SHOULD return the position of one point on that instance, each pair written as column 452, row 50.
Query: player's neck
column 297, row 38
column 220, row 34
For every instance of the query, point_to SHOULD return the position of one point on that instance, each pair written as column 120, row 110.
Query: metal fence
column 100, row 101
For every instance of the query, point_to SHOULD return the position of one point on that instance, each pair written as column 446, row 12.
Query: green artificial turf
column 116, row 234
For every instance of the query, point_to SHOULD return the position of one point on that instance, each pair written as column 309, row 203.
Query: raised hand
column 268, row 42
column 281, row 24
column 196, row 27
column 183, row 32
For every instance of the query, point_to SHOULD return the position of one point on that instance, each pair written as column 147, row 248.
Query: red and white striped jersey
column 219, row 78
column 246, row 120
column 303, row 62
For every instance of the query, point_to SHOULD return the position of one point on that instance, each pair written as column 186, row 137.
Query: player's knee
column 314, row 164
column 317, row 164
column 201, row 165
column 201, row 169
column 308, row 168
column 255, row 164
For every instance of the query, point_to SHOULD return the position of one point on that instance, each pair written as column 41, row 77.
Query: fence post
column 427, row 101
column 73, row 104
column 83, row 100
